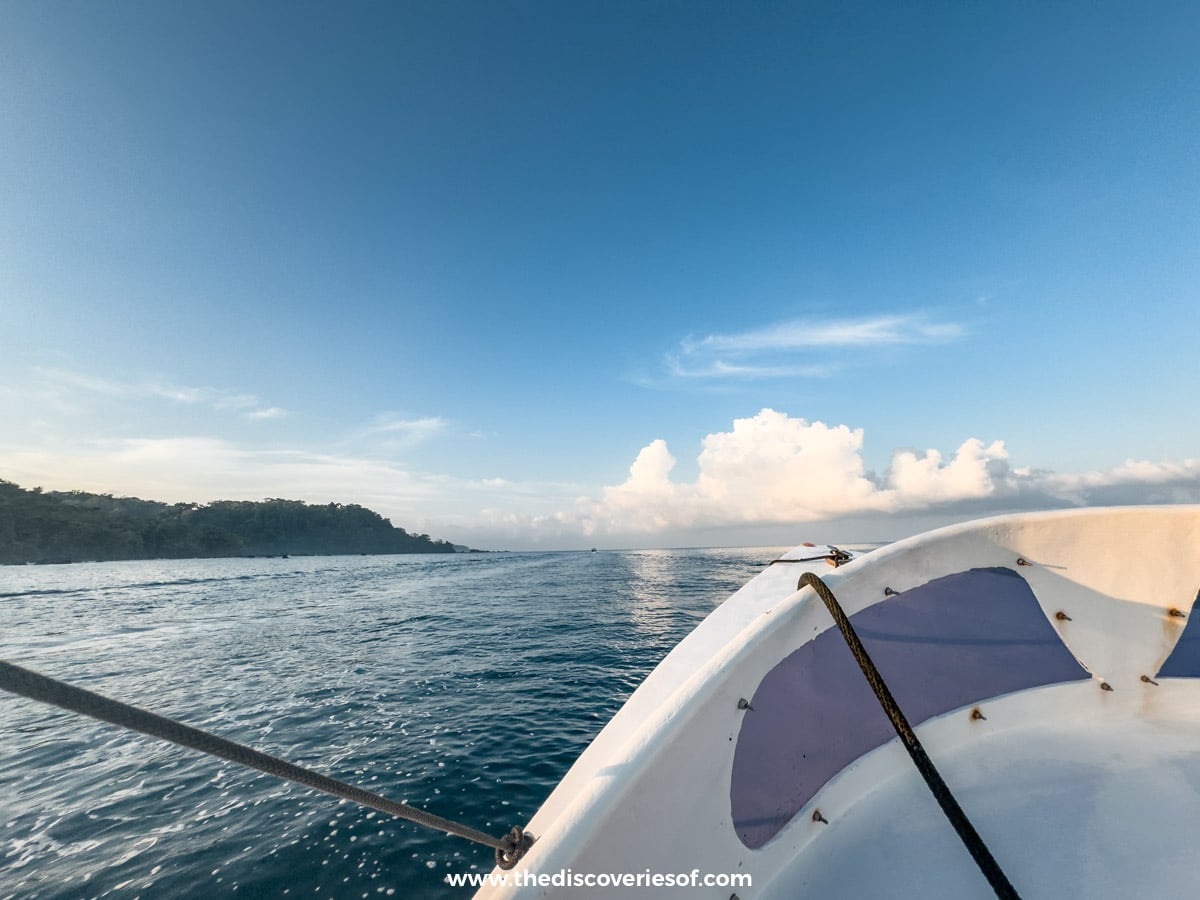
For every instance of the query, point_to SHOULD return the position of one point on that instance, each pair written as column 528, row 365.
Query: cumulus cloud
column 765, row 471
column 974, row 472
column 769, row 468
column 772, row 468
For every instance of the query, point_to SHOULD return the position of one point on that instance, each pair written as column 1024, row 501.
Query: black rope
column 835, row 557
column 941, row 792
column 35, row 686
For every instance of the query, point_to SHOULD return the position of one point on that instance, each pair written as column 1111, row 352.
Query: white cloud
column 718, row 368
column 405, row 430
column 767, row 470
column 974, row 472
column 65, row 386
column 801, row 348
column 868, row 331
column 772, row 468
column 271, row 412
column 1135, row 481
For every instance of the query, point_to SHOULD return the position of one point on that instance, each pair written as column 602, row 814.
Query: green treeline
column 55, row 526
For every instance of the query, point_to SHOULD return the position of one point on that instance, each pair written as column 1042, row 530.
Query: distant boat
column 1047, row 664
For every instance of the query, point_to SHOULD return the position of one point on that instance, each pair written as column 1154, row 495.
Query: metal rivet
column 817, row 817
column 1062, row 616
column 1149, row 680
column 1105, row 686
column 1022, row 561
column 743, row 703
column 977, row 714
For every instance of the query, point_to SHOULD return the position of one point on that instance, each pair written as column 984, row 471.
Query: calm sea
column 463, row 684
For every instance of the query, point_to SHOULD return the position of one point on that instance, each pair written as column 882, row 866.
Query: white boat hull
column 1047, row 682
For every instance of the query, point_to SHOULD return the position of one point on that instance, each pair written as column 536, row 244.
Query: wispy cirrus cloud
column 270, row 412
column 410, row 429
column 801, row 348
column 798, row 334
column 716, row 368
column 65, row 384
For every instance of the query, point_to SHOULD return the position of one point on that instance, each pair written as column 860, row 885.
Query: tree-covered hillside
column 53, row 526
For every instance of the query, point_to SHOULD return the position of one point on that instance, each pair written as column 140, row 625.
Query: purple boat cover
column 950, row 643
column 1184, row 661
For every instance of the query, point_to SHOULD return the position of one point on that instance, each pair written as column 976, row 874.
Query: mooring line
column 35, row 686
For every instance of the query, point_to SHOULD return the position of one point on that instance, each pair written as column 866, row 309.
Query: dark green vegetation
column 53, row 526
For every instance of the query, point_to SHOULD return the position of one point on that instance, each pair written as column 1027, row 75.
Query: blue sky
column 490, row 268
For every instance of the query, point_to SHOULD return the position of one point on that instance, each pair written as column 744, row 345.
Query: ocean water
column 466, row 685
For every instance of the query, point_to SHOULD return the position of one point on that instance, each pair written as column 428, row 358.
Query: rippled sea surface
column 465, row 684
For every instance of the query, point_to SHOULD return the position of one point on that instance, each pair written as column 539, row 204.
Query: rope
column 941, row 792
column 35, row 686
column 835, row 557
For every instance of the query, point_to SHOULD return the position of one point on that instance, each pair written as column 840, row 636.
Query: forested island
column 55, row 527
